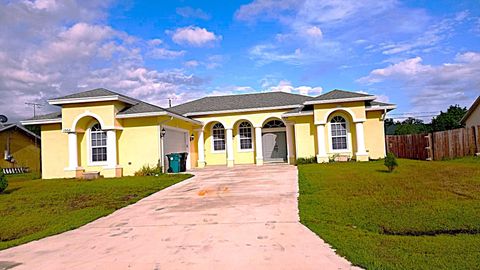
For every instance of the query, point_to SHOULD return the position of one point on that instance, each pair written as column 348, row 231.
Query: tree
column 390, row 162
column 411, row 126
column 449, row 119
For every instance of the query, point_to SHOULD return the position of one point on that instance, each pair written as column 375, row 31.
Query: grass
column 33, row 209
column 424, row 215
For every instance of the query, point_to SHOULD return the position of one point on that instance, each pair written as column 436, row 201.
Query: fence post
column 429, row 147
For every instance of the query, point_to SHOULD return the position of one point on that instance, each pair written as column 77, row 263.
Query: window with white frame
column 218, row 132
column 98, row 144
column 245, row 134
column 338, row 127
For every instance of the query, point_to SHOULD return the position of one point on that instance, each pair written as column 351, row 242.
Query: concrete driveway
column 240, row 218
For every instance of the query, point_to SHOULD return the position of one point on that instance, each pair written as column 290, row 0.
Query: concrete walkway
column 240, row 218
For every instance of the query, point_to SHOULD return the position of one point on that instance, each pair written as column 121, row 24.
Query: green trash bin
column 174, row 162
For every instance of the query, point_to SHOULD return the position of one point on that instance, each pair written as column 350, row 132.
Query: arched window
column 245, row 135
column 274, row 124
column 338, row 129
column 98, row 144
column 218, row 132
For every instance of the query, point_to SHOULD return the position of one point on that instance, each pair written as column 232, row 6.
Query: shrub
column 308, row 160
column 3, row 181
column 146, row 170
column 390, row 162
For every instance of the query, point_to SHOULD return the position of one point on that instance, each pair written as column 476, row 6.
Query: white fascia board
column 41, row 121
column 378, row 108
column 91, row 99
column 147, row 114
column 340, row 100
column 297, row 114
column 244, row 110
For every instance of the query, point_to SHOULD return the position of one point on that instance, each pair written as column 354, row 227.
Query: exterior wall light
column 162, row 133
column 192, row 137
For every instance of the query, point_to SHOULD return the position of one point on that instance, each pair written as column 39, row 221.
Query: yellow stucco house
column 20, row 148
column 100, row 130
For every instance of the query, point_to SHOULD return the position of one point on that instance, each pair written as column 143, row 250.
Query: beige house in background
column 471, row 120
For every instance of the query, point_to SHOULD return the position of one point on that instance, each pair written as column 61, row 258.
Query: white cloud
column 433, row 87
column 52, row 48
column 211, row 62
column 189, row 12
column 267, row 53
column 286, row 86
column 194, row 36
column 192, row 63
column 155, row 42
column 314, row 31
column 162, row 53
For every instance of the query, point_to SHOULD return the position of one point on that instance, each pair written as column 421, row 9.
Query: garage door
column 176, row 141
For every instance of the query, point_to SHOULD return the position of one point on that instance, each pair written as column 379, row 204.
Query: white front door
column 274, row 146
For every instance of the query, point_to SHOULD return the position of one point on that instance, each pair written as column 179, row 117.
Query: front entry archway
column 274, row 141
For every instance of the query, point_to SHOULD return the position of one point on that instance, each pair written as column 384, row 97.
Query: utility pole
column 34, row 105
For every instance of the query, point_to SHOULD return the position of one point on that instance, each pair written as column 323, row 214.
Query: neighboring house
column 19, row 147
column 471, row 120
column 100, row 130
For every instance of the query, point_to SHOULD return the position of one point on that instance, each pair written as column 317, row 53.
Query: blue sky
column 421, row 55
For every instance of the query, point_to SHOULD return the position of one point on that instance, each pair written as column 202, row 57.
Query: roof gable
column 19, row 128
column 472, row 108
column 340, row 96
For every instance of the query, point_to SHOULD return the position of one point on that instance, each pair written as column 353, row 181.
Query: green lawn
column 33, row 209
column 424, row 215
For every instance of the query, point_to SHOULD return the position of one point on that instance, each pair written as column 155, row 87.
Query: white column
column 230, row 159
column 290, row 144
column 201, row 149
column 322, row 152
column 361, row 154
column 111, row 149
column 72, row 151
column 259, row 145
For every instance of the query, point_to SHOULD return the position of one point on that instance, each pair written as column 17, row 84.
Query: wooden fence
column 437, row 145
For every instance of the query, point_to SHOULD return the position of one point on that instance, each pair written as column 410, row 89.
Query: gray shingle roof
column 340, row 94
column 98, row 92
column 240, row 102
column 138, row 107
column 54, row 115
column 377, row 103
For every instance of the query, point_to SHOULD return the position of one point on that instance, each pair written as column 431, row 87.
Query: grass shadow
column 11, row 190
column 383, row 171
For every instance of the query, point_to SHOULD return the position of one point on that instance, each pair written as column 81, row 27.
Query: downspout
column 160, row 143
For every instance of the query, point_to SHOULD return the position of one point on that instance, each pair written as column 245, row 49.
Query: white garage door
column 176, row 141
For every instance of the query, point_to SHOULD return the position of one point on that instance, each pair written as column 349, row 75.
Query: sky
column 421, row 55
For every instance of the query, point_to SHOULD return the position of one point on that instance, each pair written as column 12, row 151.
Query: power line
column 413, row 113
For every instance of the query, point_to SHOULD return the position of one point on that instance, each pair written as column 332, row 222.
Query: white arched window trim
column 218, row 131
column 349, row 136
column 90, row 146
column 245, row 136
